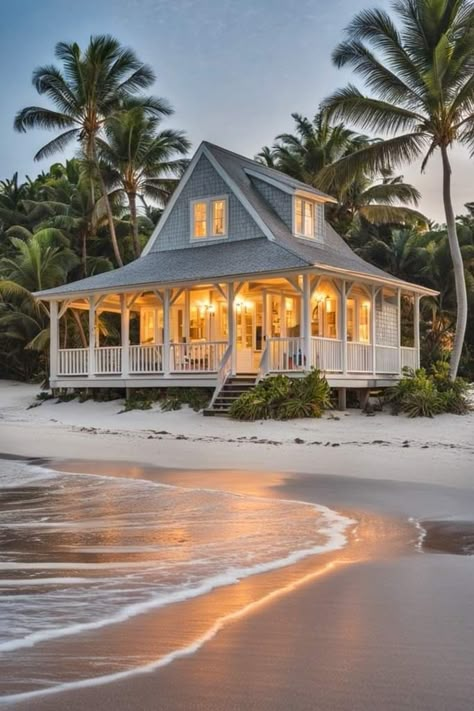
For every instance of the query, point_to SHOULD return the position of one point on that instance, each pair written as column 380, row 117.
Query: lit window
column 364, row 322
column 304, row 217
column 209, row 218
column 200, row 219
column 218, row 217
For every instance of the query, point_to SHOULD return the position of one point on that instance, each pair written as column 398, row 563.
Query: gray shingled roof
column 265, row 171
column 210, row 261
column 234, row 258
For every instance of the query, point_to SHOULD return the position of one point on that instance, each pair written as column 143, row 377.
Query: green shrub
column 422, row 394
column 281, row 398
column 175, row 398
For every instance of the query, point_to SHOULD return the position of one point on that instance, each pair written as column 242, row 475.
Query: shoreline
column 355, row 636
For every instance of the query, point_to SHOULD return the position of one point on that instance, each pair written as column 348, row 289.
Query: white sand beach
column 385, row 622
column 435, row 451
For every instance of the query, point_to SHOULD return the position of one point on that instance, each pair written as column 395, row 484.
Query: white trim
column 284, row 187
column 169, row 207
column 308, row 195
column 238, row 194
column 316, row 236
column 208, row 201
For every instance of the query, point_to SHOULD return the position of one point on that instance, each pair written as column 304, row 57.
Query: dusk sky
column 233, row 70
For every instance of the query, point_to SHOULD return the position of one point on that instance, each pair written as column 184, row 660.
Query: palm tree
column 421, row 84
column 41, row 261
column 93, row 86
column 142, row 161
column 402, row 254
column 378, row 198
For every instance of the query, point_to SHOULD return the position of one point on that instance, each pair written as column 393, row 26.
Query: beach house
column 243, row 276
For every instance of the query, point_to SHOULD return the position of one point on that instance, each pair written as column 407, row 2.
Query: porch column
column 166, row 332
column 92, row 334
column 53, row 340
column 416, row 324
column 344, row 326
column 373, row 328
column 187, row 307
column 231, row 325
column 306, row 321
column 399, row 328
column 125, row 334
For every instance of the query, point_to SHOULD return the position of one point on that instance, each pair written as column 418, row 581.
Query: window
column 209, row 218
column 308, row 218
column 304, row 217
column 364, row 322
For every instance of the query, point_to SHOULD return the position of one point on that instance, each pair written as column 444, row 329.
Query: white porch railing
column 286, row 354
column 108, row 360
column 73, row 361
column 225, row 370
column 326, row 354
column 409, row 358
column 359, row 357
column 386, row 359
column 203, row 357
column 146, row 358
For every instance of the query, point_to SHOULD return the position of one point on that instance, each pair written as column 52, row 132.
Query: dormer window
column 209, row 218
column 308, row 218
column 304, row 217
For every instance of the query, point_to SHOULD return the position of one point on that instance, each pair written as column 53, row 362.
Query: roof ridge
column 279, row 174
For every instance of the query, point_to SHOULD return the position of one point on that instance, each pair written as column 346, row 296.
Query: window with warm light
column 304, row 217
column 209, row 218
column 364, row 322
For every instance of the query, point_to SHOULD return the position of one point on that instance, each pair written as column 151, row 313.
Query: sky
column 234, row 70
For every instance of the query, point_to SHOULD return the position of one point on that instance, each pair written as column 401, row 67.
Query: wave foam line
column 185, row 651
column 337, row 540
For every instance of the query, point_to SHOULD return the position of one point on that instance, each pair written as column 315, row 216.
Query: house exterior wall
column 205, row 182
column 282, row 204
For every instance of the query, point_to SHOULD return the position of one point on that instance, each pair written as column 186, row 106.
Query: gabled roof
column 277, row 250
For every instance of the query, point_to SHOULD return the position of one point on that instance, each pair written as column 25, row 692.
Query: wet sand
column 378, row 625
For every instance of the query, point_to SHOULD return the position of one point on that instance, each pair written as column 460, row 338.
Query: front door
column 245, row 336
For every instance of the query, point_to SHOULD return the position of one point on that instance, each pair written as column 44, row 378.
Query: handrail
column 263, row 365
column 223, row 373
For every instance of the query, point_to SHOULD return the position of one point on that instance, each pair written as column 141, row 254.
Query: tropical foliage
column 425, row 394
column 420, row 97
column 281, row 398
column 95, row 211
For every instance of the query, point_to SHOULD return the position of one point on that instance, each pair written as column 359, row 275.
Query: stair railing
column 225, row 369
column 264, row 363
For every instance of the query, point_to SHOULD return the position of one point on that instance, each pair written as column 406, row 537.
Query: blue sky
column 234, row 70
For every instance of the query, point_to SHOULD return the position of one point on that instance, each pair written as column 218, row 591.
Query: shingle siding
column 204, row 182
column 279, row 201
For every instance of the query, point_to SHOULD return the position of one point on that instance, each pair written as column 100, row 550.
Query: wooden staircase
column 233, row 387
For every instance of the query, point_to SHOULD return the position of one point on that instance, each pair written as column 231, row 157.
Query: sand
column 383, row 626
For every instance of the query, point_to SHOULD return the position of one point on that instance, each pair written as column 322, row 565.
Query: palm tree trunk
column 80, row 328
column 132, row 201
column 108, row 209
column 458, row 266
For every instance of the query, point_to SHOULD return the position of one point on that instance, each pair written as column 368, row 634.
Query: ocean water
column 81, row 553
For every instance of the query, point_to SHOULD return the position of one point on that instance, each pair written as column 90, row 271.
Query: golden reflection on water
column 149, row 637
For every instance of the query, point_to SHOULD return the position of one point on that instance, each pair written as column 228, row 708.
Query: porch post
column 306, row 321
column 53, row 340
column 344, row 326
column 373, row 328
column 399, row 328
column 231, row 325
column 125, row 334
column 92, row 302
column 416, row 323
column 166, row 332
column 187, row 306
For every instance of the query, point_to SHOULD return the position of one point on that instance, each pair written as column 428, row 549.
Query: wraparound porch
column 354, row 331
